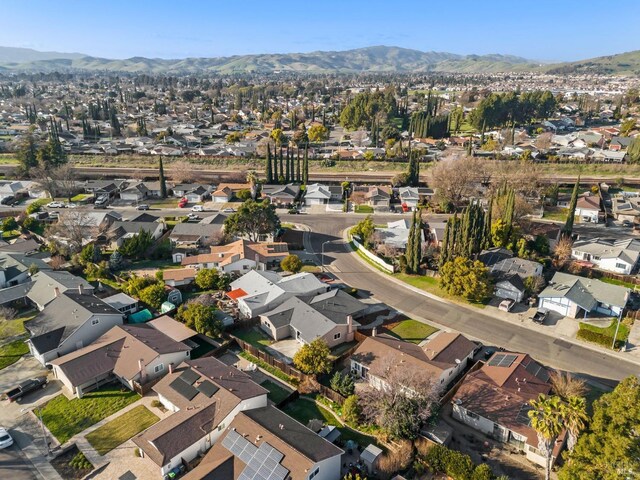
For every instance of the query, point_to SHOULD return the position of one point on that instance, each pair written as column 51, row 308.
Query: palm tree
column 546, row 419
column 566, row 385
column 574, row 414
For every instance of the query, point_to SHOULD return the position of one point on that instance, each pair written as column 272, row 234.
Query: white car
column 193, row 216
column 55, row 205
column 197, row 208
column 5, row 438
column 228, row 210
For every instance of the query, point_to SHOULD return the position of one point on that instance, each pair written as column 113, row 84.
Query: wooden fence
column 446, row 398
column 145, row 388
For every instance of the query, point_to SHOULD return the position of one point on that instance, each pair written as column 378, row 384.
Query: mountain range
column 368, row 59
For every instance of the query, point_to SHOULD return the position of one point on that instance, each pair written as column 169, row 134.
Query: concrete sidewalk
column 28, row 436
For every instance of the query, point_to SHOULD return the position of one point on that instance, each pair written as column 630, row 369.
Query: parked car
column 228, row 210
column 7, row 200
column 627, row 223
column 197, row 208
column 5, row 439
column 183, row 202
column 192, row 217
column 540, row 316
column 142, row 206
column 102, row 201
column 25, row 387
column 506, row 305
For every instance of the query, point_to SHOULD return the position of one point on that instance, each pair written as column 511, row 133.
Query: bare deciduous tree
column 403, row 401
column 181, row 171
column 457, row 177
column 566, row 385
column 73, row 229
column 562, row 252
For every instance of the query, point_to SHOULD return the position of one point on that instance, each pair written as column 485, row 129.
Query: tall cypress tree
column 275, row 167
column 268, row 171
column 305, row 169
column 163, row 181
column 486, row 234
column 298, row 170
column 567, row 230
column 281, row 165
column 287, row 176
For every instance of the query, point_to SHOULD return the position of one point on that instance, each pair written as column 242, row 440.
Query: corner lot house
column 495, row 400
column 610, row 254
column 206, row 396
column 131, row 353
column 68, row 323
column 268, row 439
column 575, row 297
column 443, row 357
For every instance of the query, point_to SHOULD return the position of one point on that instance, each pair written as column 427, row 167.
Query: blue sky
column 541, row 30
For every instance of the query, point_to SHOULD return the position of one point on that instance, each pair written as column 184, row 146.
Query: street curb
column 473, row 309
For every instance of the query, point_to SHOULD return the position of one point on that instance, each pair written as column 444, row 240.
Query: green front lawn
column 412, row 331
column 621, row 283
column 277, row 393
column 254, row 337
column 610, row 331
column 555, row 214
column 305, row 410
column 64, row 418
column 363, row 209
column 121, row 429
column 432, row 285
column 311, row 268
column 11, row 353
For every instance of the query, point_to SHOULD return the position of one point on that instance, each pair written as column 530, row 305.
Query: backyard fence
column 446, row 398
column 145, row 388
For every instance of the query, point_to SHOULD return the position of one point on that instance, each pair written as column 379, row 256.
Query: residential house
column 226, row 191
column 154, row 190
column 259, row 291
column 205, row 396
column 137, row 353
column 104, row 187
column 179, row 277
column 378, row 197
column 495, row 401
column 121, row 231
column 574, row 296
column 411, row 197
column 610, row 254
column 267, row 439
column 281, row 194
column 443, row 358
column 619, row 143
column 626, row 207
column 14, row 268
column 135, row 192
column 396, row 234
column 240, row 256
column 193, row 192
column 328, row 315
column 318, row 194
column 20, row 245
column 46, row 285
column 609, row 156
column 68, row 323
column 509, row 272
column 123, row 303
column 588, row 208
column 192, row 235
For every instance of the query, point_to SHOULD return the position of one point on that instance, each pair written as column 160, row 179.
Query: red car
column 183, row 202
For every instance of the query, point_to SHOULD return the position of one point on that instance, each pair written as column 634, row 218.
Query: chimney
column 349, row 324
column 80, row 290
column 141, row 368
column 374, row 332
column 171, row 368
column 56, row 290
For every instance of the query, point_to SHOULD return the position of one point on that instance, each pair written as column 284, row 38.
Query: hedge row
column 599, row 338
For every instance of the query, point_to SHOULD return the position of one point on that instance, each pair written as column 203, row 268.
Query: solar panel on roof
column 523, row 415
column 507, row 361
column 496, row 359
column 262, row 463
column 207, row 388
column 183, row 388
column 189, row 376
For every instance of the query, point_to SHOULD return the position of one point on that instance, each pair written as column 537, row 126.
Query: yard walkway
column 83, row 444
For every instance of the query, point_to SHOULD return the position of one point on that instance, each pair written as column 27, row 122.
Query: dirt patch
column 64, row 462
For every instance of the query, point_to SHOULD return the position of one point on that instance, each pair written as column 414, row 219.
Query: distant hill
column 369, row 59
column 26, row 55
column 621, row 64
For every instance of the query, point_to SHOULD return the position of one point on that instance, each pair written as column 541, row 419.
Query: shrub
column 454, row 464
column 31, row 224
column 80, row 462
column 36, row 206
column 156, row 404
column 599, row 338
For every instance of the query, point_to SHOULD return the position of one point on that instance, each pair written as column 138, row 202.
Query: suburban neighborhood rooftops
column 178, row 331
column 585, row 292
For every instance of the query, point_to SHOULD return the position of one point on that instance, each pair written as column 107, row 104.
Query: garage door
column 555, row 307
column 504, row 293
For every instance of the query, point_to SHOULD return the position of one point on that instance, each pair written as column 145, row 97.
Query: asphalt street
column 545, row 348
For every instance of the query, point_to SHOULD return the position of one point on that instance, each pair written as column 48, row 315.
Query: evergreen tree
column 287, row 175
column 567, row 230
column 268, row 171
column 163, row 181
column 298, row 170
column 486, row 232
column 305, row 169
column 275, row 166
column 281, row 166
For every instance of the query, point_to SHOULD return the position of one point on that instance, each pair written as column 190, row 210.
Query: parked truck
column 24, row 388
